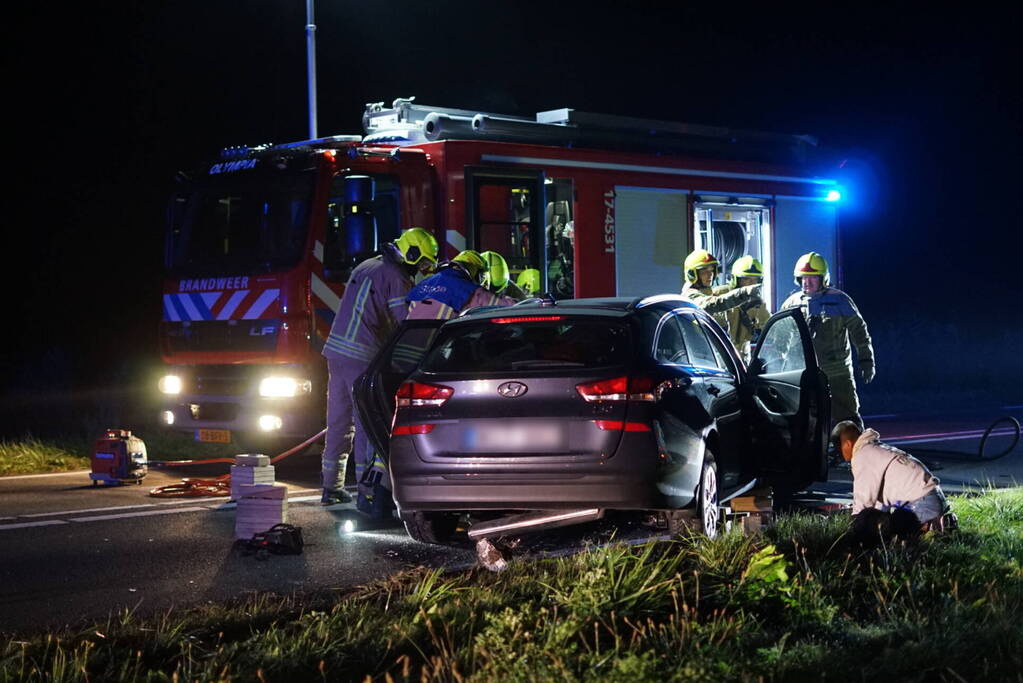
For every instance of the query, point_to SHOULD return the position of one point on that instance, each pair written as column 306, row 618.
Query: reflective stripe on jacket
column 371, row 308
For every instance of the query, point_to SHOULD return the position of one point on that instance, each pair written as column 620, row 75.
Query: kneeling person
column 886, row 478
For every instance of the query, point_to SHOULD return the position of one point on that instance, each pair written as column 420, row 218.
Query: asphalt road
column 71, row 552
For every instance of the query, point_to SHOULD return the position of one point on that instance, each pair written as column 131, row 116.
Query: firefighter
column 888, row 479
column 746, row 320
column 529, row 282
column 700, row 268
column 455, row 287
column 372, row 306
column 496, row 277
column 834, row 322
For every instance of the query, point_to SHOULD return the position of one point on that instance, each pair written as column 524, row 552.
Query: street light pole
column 310, row 35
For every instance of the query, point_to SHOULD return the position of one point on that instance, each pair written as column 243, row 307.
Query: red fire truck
column 261, row 240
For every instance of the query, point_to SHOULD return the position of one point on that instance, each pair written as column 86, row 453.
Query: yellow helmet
column 812, row 264
column 496, row 278
column 529, row 281
column 698, row 260
column 473, row 263
column 747, row 266
column 417, row 244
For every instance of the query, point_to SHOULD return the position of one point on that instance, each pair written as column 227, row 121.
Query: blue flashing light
column 833, row 196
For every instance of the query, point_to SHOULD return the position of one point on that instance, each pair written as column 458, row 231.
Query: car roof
column 612, row 307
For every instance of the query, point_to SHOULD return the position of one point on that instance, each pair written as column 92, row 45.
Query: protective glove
column 754, row 292
column 867, row 372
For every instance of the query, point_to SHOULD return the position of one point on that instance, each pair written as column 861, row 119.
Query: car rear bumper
column 628, row 480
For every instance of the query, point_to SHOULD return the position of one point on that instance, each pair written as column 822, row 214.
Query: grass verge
column 35, row 455
column 789, row 604
column 30, row 455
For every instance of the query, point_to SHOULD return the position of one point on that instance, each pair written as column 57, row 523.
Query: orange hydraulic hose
column 217, row 486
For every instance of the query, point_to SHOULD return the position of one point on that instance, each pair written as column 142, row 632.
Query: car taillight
column 412, row 429
column 619, row 426
column 420, row 394
column 618, row 389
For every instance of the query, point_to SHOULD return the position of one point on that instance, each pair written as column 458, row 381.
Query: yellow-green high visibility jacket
column 834, row 322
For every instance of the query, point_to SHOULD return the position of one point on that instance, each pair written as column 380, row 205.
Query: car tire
column 707, row 507
column 436, row 528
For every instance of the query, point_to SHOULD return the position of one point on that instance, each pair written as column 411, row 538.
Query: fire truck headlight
column 284, row 387
column 168, row 417
column 269, row 423
column 170, row 384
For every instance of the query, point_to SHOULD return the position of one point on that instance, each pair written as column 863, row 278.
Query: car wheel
column 431, row 527
column 710, row 514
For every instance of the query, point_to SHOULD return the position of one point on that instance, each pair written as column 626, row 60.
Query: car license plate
column 505, row 439
column 213, row 435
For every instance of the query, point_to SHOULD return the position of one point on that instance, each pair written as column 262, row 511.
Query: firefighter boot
column 335, row 496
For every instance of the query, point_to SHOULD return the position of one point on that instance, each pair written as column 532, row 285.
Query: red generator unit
column 119, row 458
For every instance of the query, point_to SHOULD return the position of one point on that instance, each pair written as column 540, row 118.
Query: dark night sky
column 112, row 102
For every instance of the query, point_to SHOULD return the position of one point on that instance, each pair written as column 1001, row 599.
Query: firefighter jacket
column 834, row 322
column 372, row 307
column 744, row 322
column 446, row 294
column 717, row 304
column 884, row 476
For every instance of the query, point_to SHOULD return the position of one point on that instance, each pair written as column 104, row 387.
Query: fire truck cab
column 261, row 240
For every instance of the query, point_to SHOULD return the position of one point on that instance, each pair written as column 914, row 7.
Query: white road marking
column 183, row 501
column 105, row 509
column 48, row 474
column 22, row 525
column 143, row 510
column 147, row 513
column 947, row 436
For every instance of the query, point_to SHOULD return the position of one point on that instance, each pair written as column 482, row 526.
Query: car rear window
column 533, row 345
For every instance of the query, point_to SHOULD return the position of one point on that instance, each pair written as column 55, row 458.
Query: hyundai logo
column 512, row 389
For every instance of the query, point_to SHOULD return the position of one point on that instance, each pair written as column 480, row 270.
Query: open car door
column 789, row 404
column 374, row 390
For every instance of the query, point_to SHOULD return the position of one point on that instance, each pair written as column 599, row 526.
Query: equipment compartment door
column 732, row 227
column 650, row 240
column 374, row 390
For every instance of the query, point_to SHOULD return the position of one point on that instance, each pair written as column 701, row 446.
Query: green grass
column 30, row 455
column 35, row 455
column 792, row 604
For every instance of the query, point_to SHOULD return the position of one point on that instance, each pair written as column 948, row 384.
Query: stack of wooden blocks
column 248, row 470
column 755, row 510
column 261, row 503
column 259, row 508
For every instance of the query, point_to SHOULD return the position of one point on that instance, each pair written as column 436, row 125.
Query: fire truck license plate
column 213, row 435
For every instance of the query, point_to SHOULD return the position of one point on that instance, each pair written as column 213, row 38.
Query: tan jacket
column 744, row 322
column 886, row 476
column 715, row 303
column 834, row 322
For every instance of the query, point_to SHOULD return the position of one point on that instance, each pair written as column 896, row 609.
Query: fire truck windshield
column 235, row 223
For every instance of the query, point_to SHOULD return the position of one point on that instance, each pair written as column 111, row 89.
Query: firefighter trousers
column 345, row 435
column 845, row 405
